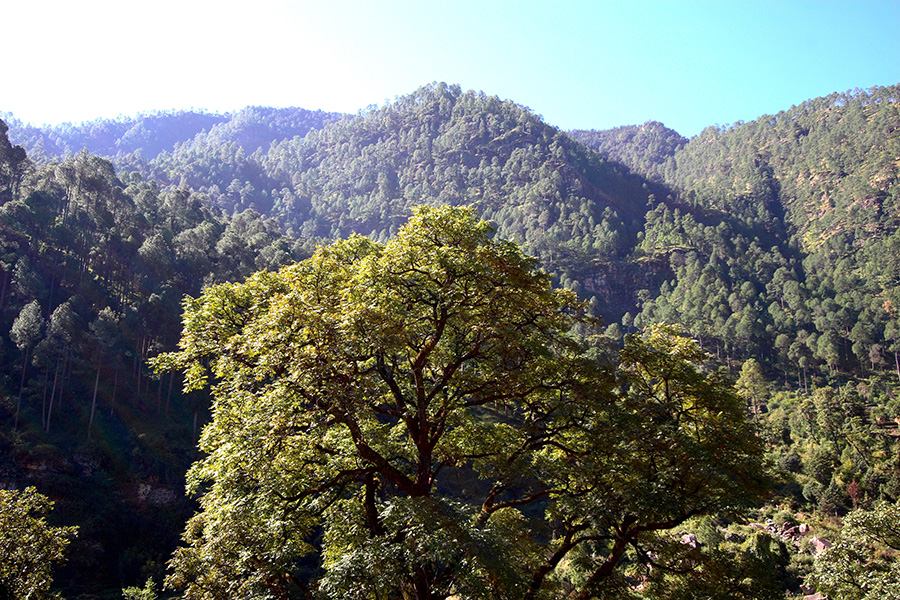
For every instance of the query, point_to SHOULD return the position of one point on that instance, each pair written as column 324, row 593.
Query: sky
column 580, row 64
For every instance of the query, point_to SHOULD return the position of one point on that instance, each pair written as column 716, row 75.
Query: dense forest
column 774, row 244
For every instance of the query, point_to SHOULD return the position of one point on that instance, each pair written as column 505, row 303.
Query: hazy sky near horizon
column 580, row 64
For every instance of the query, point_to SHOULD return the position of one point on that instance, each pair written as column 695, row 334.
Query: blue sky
column 583, row 64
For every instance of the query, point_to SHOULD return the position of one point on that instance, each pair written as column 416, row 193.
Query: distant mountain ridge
column 816, row 180
column 152, row 133
column 646, row 149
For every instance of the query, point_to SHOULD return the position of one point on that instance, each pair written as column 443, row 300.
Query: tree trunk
column 169, row 394
column 112, row 402
column 605, row 570
column 137, row 369
column 50, row 296
column 44, row 399
column 94, row 401
column 541, row 573
column 53, row 392
column 422, row 585
column 21, row 388
column 67, row 377
column 5, row 276
column 137, row 357
column 372, row 520
column 897, row 362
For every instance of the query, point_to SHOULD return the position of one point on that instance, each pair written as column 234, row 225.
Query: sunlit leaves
column 348, row 387
column 29, row 546
column 864, row 564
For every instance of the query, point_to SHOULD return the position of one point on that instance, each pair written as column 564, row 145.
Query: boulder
column 734, row 537
column 818, row 545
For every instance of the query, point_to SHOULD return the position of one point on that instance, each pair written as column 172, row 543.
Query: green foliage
column 753, row 569
column 863, row 563
column 752, row 385
column 148, row 592
column 672, row 445
column 356, row 380
column 646, row 149
column 356, row 389
column 29, row 546
column 774, row 243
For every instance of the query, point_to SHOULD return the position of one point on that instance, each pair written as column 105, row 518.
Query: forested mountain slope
column 834, row 161
column 809, row 265
column 647, row 149
column 93, row 269
column 579, row 213
column 150, row 134
column 776, row 243
column 437, row 145
column 770, row 239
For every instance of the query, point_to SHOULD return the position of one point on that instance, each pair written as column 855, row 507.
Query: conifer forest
column 441, row 349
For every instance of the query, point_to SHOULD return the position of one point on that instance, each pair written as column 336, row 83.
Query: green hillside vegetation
column 151, row 134
column 93, row 269
column 648, row 149
column 437, row 145
column 773, row 243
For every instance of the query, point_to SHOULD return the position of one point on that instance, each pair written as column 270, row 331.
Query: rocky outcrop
column 818, row 545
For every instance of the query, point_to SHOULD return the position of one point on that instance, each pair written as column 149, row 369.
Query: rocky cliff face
column 618, row 283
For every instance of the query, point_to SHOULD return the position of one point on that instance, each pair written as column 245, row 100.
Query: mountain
column 819, row 183
column 775, row 241
column 149, row 133
column 735, row 234
column 439, row 145
column 153, row 133
column 646, row 149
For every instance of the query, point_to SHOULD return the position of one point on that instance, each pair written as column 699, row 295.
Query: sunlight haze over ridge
column 585, row 65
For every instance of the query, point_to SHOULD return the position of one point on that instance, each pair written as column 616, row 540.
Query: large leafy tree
column 669, row 442
column 29, row 546
column 353, row 386
column 863, row 564
column 418, row 413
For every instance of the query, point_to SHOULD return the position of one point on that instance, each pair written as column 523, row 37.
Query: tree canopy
column 29, row 546
column 418, row 415
column 863, row 564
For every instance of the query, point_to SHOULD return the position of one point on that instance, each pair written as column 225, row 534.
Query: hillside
column 93, row 269
column 151, row 134
column 772, row 239
column 580, row 214
column 775, row 243
column 435, row 145
column 648, row 149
